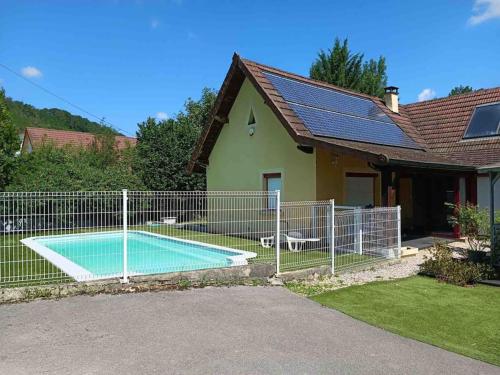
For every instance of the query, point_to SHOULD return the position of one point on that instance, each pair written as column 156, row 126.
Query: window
column 360, row 189
column 272, row 182
column 485, row 121
column 251, row 118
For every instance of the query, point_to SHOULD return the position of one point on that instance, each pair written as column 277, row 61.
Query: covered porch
column 426, row 197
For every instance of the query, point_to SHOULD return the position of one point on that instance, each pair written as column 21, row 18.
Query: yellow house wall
column 238, row 160
column 331, row 171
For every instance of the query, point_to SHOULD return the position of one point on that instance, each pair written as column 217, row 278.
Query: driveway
column 238, row 330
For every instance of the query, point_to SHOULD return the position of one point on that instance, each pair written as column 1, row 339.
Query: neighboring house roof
column 62, row 138
column 436, row 126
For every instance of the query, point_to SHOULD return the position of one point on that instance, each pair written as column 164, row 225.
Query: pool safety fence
column 49, row 237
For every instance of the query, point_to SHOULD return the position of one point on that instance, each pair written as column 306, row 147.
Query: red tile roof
column 437, row 125
column 442, row 123
column 62, row 138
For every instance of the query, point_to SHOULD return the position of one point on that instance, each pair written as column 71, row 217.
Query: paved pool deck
column 237, row 330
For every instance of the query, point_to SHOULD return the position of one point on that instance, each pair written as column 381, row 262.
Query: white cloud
column 155, row 23
column 31, row 72
column 162, row 116
column 484, row 10
column 426, row 94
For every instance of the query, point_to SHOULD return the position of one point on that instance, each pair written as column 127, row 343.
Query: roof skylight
column 485, row 121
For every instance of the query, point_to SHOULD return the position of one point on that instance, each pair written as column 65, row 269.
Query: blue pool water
column 102, row 254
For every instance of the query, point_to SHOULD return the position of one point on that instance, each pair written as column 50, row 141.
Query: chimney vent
column 391, row 98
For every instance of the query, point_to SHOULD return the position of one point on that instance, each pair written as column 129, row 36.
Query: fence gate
column 359, row 236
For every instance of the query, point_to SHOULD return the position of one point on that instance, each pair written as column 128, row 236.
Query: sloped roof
column 425, row 123
column 442, row 122
column 62, row 138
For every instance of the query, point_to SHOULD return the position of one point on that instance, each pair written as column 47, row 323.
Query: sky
column 129, row 60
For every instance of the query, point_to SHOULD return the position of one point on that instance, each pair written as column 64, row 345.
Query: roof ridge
column 72, row 131
column 453, row 97
column 309, row 80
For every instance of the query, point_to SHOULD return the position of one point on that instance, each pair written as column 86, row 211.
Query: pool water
column 101, row 254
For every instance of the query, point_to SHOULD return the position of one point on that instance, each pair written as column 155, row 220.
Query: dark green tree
column 457, row 90
column 164, row 147
column 341, row 67
column 75, row 169
column 24, row 115
column 9, row 143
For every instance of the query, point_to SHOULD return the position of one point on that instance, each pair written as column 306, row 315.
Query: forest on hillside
column 24, row 115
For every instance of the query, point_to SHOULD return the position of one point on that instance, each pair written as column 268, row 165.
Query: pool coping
column 79, row 273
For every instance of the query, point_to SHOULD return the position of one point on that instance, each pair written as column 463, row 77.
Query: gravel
column 316, row 283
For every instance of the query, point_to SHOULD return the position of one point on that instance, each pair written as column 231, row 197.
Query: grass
column 20, row 265
column 461, row 320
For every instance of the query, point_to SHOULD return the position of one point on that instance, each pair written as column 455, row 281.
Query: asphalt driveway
column 238, row 330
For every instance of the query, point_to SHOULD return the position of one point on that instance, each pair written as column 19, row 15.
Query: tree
column 339, row 66
column 9, row 143
column 165, row 147
column 457, row 90
column 49, row 168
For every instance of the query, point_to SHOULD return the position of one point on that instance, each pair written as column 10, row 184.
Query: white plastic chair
column 296, row 241
column 267, row 242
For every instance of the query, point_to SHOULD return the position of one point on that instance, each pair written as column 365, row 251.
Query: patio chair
column 296, row 241
column 267, row 242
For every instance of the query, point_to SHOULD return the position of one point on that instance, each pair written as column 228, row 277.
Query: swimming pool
column 93, row 256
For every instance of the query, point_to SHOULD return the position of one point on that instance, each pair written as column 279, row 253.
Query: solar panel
column 336, row 125
column 330, row 113
column 319, row 97
column 485, row 122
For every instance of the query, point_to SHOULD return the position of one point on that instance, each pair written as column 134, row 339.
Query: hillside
column 24, row 115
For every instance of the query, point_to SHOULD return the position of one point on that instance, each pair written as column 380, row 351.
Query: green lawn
column 21, row 266
column 462, row 320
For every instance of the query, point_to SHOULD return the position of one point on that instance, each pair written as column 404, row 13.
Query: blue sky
column 127, row 60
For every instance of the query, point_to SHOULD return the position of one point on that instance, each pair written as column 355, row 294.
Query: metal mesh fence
column 84, row 236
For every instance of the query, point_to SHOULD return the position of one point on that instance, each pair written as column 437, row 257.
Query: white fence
column 360, row 236
column 83, row 236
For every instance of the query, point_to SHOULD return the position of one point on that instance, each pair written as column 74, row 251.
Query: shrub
column 474, row 223
column 444, row 267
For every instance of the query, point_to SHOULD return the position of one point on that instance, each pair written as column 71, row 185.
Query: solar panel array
column 330, row 113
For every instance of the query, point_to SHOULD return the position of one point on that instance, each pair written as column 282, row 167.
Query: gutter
column 425, row 165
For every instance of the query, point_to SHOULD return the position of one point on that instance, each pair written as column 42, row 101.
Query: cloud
column 426, row 94
column 162, row 116
column 484, row 10
column 31, row 72
column 155, row 23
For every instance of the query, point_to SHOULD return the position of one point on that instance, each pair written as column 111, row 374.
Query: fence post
column 278, row 230
column 358, row 230
column 399, row 230
column 332, row 234
column 125, row 238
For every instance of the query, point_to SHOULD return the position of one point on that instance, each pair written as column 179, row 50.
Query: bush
column 474, row 223
column 444, row 267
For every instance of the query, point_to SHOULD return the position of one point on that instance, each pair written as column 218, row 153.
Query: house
column 271, row 130
column 35, row 137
